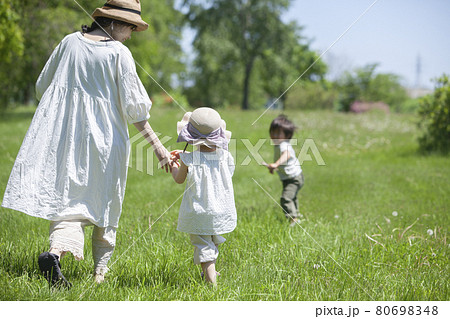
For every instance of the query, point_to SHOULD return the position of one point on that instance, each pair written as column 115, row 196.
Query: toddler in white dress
column 208, row 209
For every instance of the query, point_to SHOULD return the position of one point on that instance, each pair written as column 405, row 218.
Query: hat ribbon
column 191, row 135
column 120, row 8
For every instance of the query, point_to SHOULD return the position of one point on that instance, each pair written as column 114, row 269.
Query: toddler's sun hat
column 203, row 126
column 123, row 10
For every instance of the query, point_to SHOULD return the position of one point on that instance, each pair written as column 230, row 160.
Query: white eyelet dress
column 73, row 161
column 208, row 206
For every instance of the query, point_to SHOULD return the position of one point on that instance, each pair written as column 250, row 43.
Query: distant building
column 418, row 92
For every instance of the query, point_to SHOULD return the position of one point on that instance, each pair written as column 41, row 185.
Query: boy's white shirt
column 291, row 168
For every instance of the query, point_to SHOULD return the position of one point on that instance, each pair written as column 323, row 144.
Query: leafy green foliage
column 158, row 50
column 312, row 96
column 245, row 52
column 38, row 26
column 11, row 46
column 11, row 35
column 364, row 85
column 410, row 105
column 434, row 115
column 289, row 59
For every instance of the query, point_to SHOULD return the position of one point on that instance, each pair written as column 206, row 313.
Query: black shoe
column 51, row 269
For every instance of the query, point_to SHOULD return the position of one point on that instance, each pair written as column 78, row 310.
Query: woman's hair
column 102, row 23
column 282, row 122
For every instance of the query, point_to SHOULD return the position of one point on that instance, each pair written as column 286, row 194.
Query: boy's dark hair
column 282, row 122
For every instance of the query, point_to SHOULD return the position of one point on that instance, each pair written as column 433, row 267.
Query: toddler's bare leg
column 209, row 269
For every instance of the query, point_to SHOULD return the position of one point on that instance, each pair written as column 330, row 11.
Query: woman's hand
column 164, row 157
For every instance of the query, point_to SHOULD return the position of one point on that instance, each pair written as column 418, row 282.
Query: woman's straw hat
column 203, row 126
column 123, row 10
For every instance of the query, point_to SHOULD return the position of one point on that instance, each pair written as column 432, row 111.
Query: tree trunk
column 282, row 99
column 248, row 71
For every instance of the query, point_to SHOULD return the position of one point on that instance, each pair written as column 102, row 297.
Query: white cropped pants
column 68, row 236
column 205, row 247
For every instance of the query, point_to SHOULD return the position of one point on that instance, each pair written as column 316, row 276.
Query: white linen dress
column 73, row 161
column 208, row 206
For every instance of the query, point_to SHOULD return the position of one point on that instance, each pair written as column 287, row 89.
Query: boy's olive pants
column 289, row 201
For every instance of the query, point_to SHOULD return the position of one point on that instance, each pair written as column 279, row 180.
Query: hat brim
column 128, row 17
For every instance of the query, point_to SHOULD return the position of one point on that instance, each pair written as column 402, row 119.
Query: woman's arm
column 161, row 152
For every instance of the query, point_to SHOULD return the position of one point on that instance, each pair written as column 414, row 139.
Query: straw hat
column 123, row 10
column 203, row 126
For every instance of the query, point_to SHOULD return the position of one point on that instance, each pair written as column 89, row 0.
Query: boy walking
column 287, row 166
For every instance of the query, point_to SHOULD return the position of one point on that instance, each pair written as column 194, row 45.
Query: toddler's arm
column 283, row 159
column 179, row 171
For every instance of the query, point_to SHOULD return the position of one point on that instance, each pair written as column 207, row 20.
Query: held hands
column 167, row 160
column 164, row 158
column 179, row 170
column 175, row 155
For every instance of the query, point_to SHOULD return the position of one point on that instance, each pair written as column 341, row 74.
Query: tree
column 231, row 36
column 11, row 46
column 434, row 115
column 245, row 51
column 158, row 49
column 288, row 61
column 363, row 84
column 44, row 23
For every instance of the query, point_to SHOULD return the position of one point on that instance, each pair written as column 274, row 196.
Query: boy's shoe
column 51, row 269
column 99, row 278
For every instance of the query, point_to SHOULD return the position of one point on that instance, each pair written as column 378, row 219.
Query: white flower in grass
column 336, row 216
column 430, row 232
column 316, row 266
column 394, row 213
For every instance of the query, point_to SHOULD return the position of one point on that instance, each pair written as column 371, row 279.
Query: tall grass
column 375, row 227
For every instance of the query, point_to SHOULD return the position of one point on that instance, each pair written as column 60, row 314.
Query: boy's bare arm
column 283, row 159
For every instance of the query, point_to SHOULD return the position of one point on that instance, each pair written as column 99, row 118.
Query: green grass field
column 349, row 247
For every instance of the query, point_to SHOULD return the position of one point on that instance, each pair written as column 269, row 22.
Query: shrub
column 312, row 96
column 363, row 84
column 411, row 105
column 434, row 115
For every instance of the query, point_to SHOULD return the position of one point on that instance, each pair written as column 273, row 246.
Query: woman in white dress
column 72, row 166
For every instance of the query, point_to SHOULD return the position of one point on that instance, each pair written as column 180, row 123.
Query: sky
column 392, row 33
column 396, row 34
